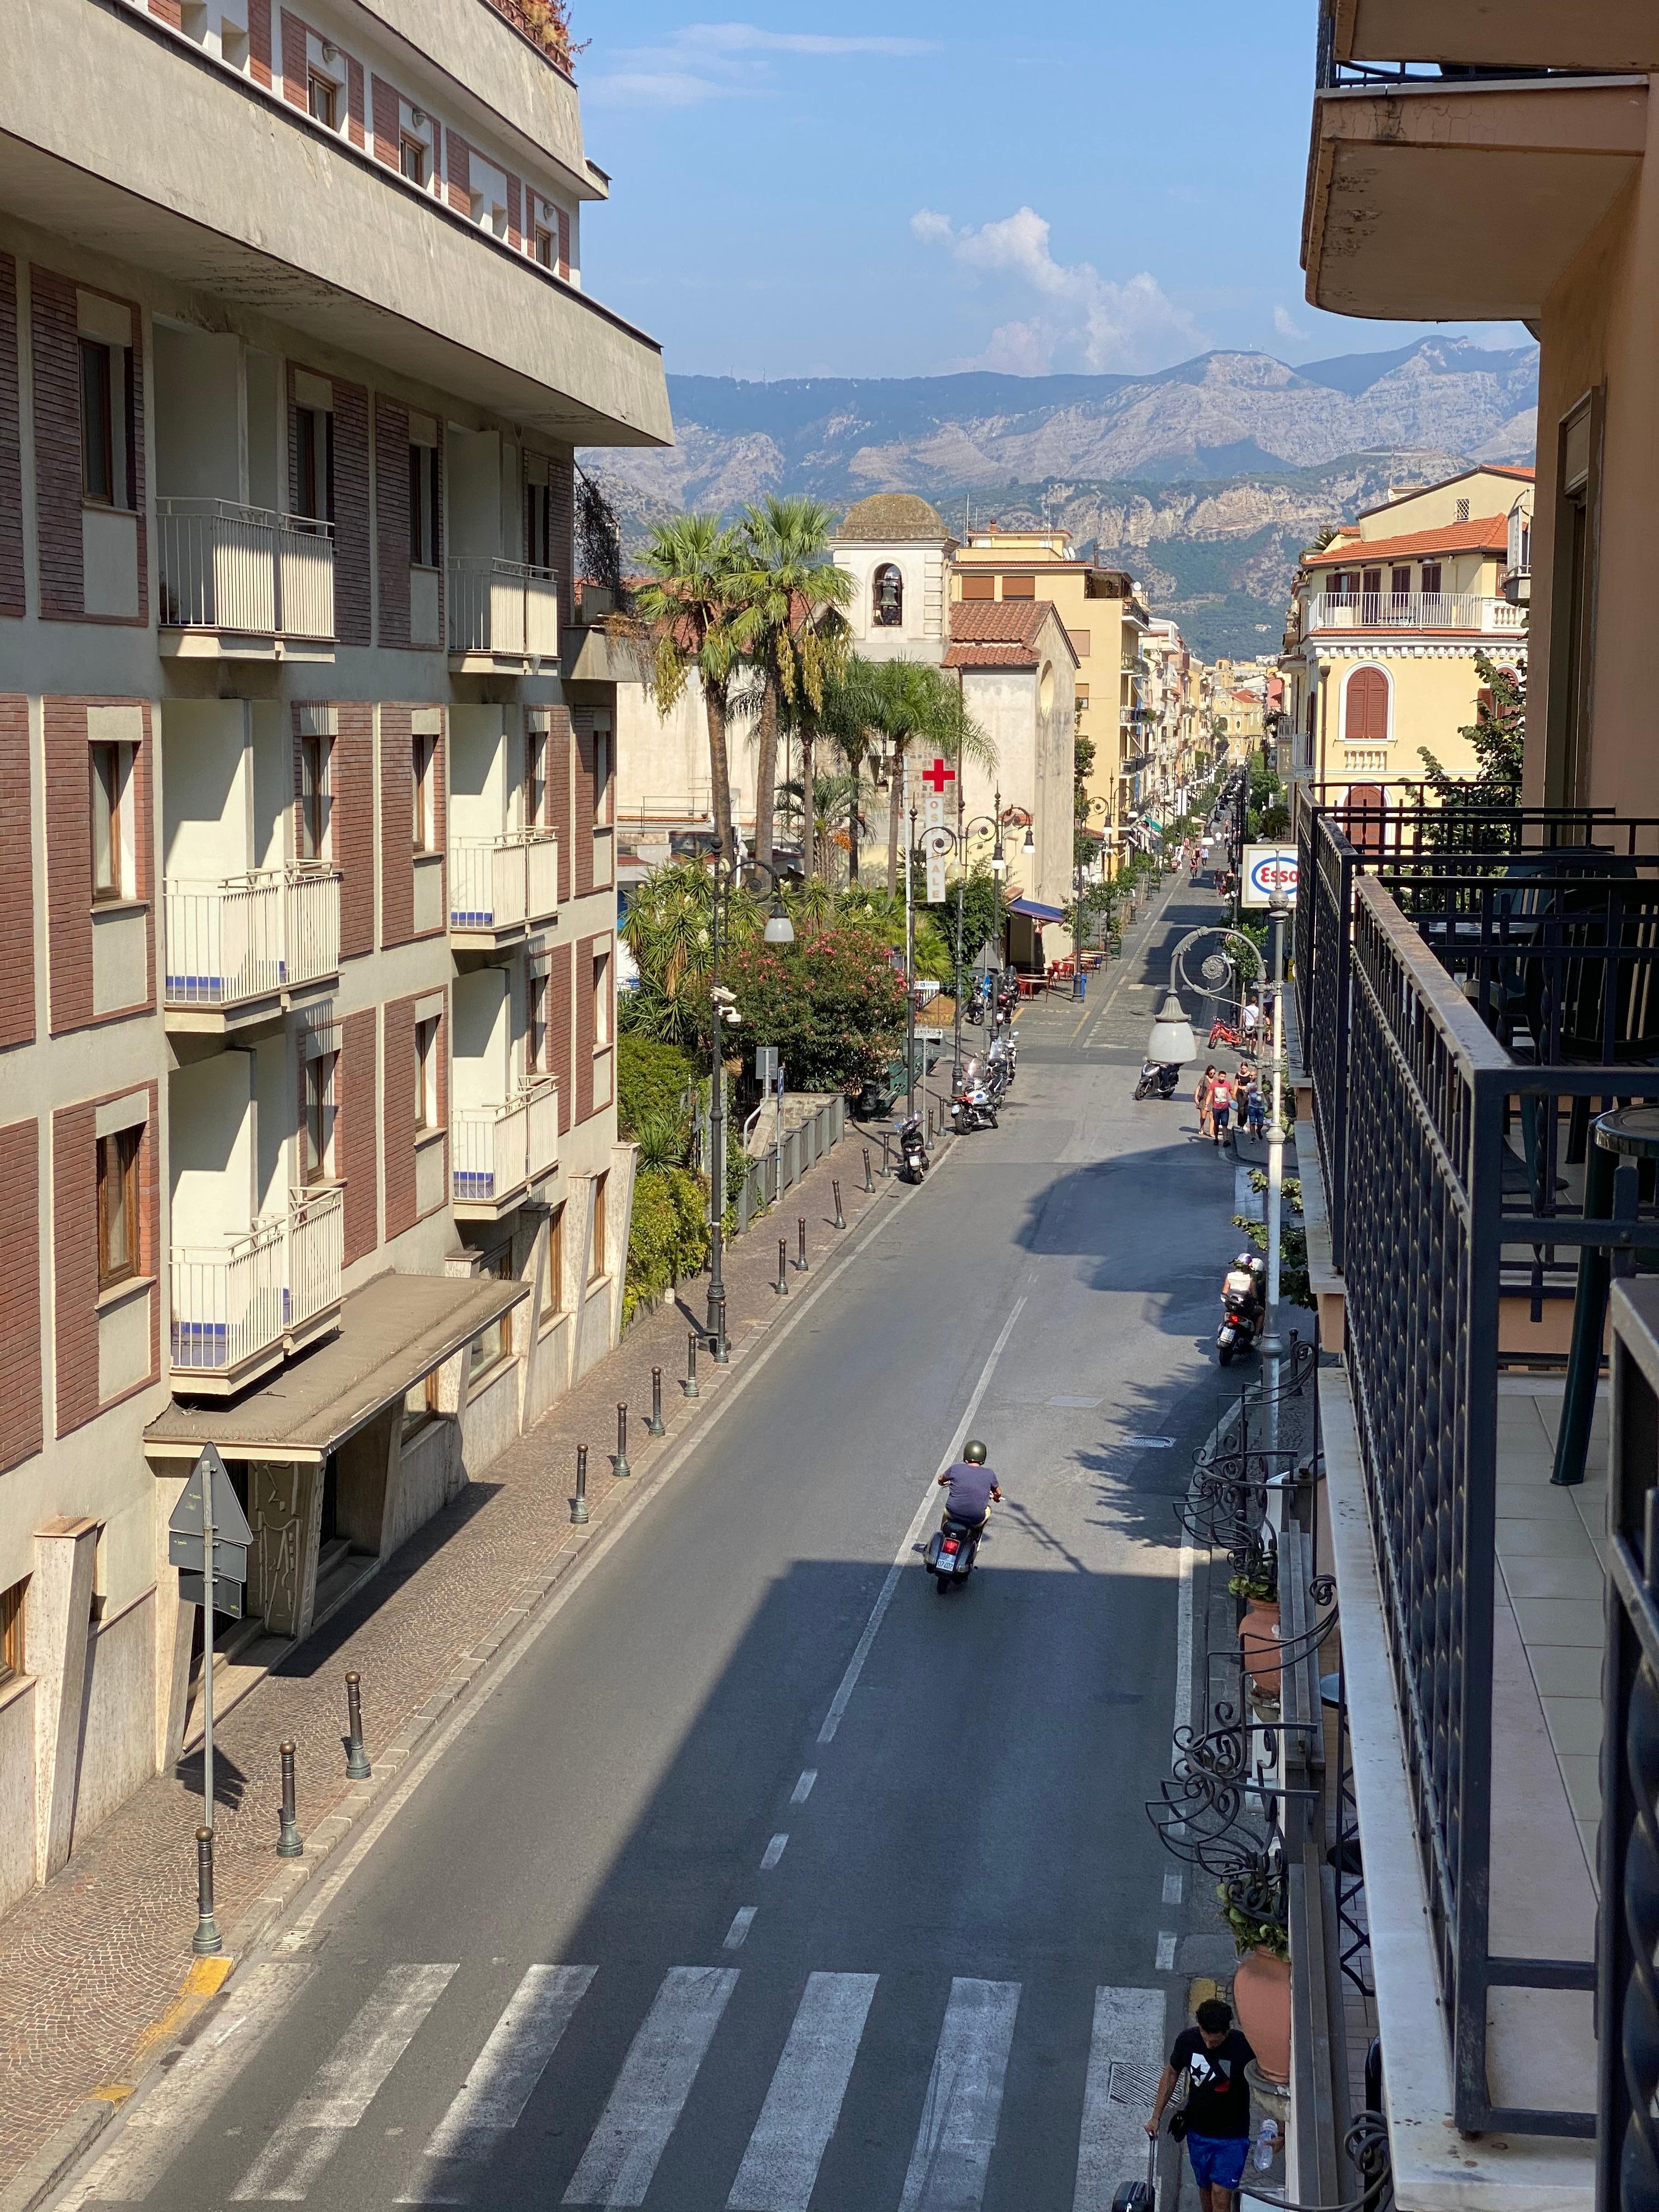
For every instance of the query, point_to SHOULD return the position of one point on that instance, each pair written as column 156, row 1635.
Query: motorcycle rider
column 970, row 1488
column 1246, row 1280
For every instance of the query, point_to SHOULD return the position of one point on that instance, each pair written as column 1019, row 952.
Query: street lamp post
column 958, row 837
column 778, row 930
column 1273, row 1343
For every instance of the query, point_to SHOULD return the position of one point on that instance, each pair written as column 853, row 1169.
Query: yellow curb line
column 206, row 1978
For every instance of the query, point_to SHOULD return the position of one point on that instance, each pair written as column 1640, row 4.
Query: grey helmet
column 974, row 1452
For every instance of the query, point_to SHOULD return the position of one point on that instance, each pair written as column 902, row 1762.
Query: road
column 767, row 1878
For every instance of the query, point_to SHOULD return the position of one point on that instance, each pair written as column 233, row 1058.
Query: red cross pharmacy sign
column 939, row 775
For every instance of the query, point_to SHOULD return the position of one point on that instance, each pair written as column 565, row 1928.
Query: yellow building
column 1106, row 619
column 1386, row 623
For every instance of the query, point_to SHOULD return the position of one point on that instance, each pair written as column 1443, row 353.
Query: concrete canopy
column 1598, row 35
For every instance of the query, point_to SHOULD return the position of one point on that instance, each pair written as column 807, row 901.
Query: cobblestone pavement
column 90, row 1964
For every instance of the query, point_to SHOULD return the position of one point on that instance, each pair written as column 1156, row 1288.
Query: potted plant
column 1257, row 1582
column 1253, row 1907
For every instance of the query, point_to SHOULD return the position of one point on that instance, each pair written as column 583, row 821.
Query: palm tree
column 791, row 625
column 687, row 615
column 895, row 706
column 852, row 718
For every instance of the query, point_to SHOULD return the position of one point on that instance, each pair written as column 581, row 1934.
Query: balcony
column 242, row 947
column 1467, row 612
column 239, row 1310
column 241, row 583
column 503, row 616
column 500, row 886
column 498, row 1152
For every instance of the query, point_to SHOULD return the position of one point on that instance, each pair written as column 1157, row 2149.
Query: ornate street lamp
column 778, row 930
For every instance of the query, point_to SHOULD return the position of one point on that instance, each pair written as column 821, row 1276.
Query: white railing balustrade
column 247, row 937
column 489, row 1156
column 1454, row 610
column 542, row 858
column 505, row 607
column 541, row 1097
column 311, row 913
column 487, row 883
column 230, row 1303
column 227, row 567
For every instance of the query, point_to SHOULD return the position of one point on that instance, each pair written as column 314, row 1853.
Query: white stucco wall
column 922, row 564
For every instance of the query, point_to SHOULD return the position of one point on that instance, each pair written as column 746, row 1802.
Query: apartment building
column 306, row 876
column 1386, row 620
column 1487, row 1502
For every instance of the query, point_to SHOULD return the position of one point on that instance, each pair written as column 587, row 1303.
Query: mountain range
column 1205, row 479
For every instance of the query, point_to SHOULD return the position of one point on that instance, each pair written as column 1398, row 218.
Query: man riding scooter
column 971, row 1489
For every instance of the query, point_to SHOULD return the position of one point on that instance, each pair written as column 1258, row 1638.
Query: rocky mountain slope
column 1205, row 478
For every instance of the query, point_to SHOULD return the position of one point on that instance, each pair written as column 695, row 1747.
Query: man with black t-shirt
column 1217, row 2112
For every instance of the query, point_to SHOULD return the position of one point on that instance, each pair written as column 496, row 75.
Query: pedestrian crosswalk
column 957, row 2113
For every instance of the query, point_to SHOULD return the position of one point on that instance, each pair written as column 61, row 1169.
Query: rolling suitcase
column 1140, row 2196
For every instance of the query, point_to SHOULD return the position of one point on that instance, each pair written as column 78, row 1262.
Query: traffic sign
column 766, row 1063
column 185, row 1550
column 1268, row 869
column 227, row 1595
column 188, row 1518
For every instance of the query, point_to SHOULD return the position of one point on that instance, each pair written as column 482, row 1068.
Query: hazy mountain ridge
column 1206, row 479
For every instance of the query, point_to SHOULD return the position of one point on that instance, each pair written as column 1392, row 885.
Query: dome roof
column 888, row 517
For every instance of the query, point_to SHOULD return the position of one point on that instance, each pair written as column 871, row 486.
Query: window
column 1019, row 587
column 601, row 778
column 887, row 597
column 978, row 586
column 596, row 1258
column 553, row 1274
column 421, row 1403
column 318, row 1136
column 425, row 794
column 426, row 1075
column 97, row 424
column 233, row 45
column 1431, row 577
column 535, row 1022
column 315, row 805
column 322, row 98
column 1569, row 728
column 601, row 999
column 497, row 1341
column 313, row 439
column 542, row 246
column 1461, row 512
column 423, row 505
column 1365, row 711
column 1401, row 581
column 411, row 159
column 1370, row 580
column 109, row 767
column 1082, row 695
column 538, row 525
column 535, row 777
column 11, row 1630
column 118, row 1206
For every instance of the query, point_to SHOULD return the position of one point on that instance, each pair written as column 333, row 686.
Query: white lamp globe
column 1171, row 1043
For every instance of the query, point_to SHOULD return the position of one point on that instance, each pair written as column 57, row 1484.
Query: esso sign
column 1268, row 869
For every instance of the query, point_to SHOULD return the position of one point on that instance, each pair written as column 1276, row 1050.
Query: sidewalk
column 93, row 1967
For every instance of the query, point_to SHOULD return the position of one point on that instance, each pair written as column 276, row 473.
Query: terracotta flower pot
column 1261, row 2001
column 1259, row 1636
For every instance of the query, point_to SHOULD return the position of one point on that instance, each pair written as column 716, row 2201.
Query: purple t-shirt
column 969, row 1494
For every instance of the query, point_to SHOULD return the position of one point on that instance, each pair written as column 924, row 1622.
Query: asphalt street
column 768, row 1879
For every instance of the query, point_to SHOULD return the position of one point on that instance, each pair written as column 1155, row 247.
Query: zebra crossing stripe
column 491, row 2100
column 650, row 2091
column 1125, row 2051
column 963, row 2105
column 804, row 2102
column 346, row 2085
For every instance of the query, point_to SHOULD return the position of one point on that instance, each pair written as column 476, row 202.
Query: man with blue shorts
column 1213, row 2056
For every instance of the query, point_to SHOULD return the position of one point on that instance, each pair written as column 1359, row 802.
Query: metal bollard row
column 357, row 1765
column 579, row 1503
column 288, row 1846
column 654, row 1426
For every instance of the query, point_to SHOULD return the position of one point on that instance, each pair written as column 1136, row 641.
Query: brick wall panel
column 561, row 524
column 559, row 755
column 16, row 878
column 560, row 1030
column 441, row 811
column 352, row 549
column 357, row 1129
column 22, row 1412
column 68, row 864
column 564, row 245
column 398, row 1117
column 396, row 827
column 293, row 60
column 391, row 505
column 515, row 223
column 457, row 180
column 149, row 1225
column 584, row 1027
column 75, row 1263
column 11, row 477
column 585, row 798
column 170, row 11
column 355, row 117
column 56, row 360
column 259, row 41
column 352, row 769
column 388, row 122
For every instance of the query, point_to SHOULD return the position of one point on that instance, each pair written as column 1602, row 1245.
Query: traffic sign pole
column 210, row 1500
column 207, row 1654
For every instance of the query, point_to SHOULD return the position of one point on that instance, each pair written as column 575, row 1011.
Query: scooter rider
column 1246, row 1280
column 971, row 1488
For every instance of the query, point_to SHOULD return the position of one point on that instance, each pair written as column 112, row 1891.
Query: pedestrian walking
column 1221, row 1109
column 1252, row 1020
column 1255, row 1110
column 1216, row 2118
column 1201, row 1100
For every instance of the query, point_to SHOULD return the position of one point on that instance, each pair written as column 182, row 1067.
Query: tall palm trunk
column 713, row 699
column 856, row 763
column 766, row 768
column 809, row 807
column 894, row 814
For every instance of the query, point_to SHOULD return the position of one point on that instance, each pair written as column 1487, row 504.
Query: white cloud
column 714, row 61
column 1085, row 320
column 749, row 38
column 1286, row 328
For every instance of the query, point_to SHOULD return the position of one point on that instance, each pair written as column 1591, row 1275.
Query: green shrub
column 652, row 1078
column 669, row 1238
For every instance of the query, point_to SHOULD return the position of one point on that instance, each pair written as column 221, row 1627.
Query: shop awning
column 392, row 1332
column 1035, row 911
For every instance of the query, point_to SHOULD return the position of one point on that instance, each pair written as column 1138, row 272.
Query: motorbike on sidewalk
column 973, row 1107
column 1159, row 1079
column 912, row 1148
column 952, row 1551
column 1242, row 1297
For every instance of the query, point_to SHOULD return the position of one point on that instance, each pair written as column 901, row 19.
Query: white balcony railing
column 500, row 883
column 502, row 607
column 489, row 1152
column 541, row 867
column 225, row 566
column 542, row 1100
column 1454, row 610
column 232, row 1303
column 249, row 936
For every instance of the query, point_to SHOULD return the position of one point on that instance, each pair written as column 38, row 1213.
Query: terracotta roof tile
column 998, row 622
column 1481, row 533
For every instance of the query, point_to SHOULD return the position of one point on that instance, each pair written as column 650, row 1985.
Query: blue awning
column 1035, row 912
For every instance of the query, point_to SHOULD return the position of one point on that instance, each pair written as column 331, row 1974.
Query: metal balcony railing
column 231, row 1303
column 502, row 607
column 226, row 566
column 1472, row 612
column 249, row 936
column 501, row 883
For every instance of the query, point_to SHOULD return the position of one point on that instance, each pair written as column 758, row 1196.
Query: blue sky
column 901, row 192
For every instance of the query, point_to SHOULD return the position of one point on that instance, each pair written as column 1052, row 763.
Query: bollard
column 868, row 1185
column 579, row 1503
column 654, row 1426
column 885, row 1169
column 357, row 1767
column 691, row 1365
column 782, row 1283
column 619, row 1467
column 288, row 1846
column 800, row 1243
column 840, row 1220
column 207, row 1938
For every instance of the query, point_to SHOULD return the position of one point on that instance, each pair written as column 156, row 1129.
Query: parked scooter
column 1159, row 1079
column 973, row 1107
column 1244, row 1296
column 1224, row 1033
column 979, row 1007
column 913, row 1148
column 950, row 1553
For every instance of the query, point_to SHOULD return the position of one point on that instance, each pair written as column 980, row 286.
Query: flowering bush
column 832, row 1003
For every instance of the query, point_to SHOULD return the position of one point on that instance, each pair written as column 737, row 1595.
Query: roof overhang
column 1598, row 35
column 394, row 1331
column 1508, row 178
